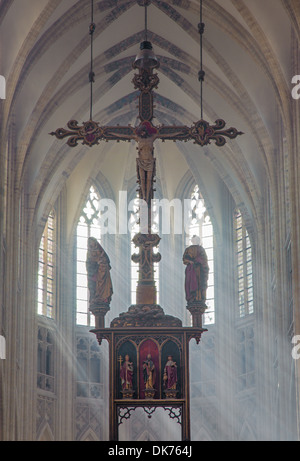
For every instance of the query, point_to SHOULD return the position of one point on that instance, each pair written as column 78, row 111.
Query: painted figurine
column 126, row 373
column 170, row 374
column 149, row 372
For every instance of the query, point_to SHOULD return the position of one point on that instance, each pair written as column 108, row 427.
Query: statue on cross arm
column 196, row 272
column 98, row 271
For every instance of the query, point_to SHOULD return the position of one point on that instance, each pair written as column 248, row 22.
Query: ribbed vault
column 46, row 64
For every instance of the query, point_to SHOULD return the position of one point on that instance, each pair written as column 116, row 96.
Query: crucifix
column 90, row 133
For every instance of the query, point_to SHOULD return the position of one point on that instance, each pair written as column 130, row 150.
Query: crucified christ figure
column 145, row 137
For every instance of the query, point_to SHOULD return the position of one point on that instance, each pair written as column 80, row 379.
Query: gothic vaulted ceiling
column 45, row 58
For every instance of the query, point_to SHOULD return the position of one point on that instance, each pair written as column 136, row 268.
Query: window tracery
column 45, row 358
column 244, row 266
column 46, row 264
column 88, row 226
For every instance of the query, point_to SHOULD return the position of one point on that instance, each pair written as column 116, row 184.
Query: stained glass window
column 88, row 226
column 244, row 266
column 46, row 269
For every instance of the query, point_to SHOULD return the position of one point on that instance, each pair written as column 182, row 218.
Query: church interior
column 241, row 199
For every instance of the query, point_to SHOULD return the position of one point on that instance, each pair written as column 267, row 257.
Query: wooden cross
column 201, row 132
column 91, row 133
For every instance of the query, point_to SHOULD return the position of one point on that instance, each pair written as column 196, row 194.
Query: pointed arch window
column 46, row 266
column 88, row 226
column 200, row 224
column 244, row 266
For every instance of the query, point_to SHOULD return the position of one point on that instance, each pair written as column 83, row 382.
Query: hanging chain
column 91, row 73
column 201, row 72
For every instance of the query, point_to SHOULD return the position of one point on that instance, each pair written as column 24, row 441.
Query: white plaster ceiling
column 45, row 55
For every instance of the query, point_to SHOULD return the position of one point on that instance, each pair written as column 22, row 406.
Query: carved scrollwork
column 89, row 133
column 145, row 81
column 174, row 413
column 146, row 240
column 146, row 257
column 202, row 132
column 124, row 412
column 145, row 316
